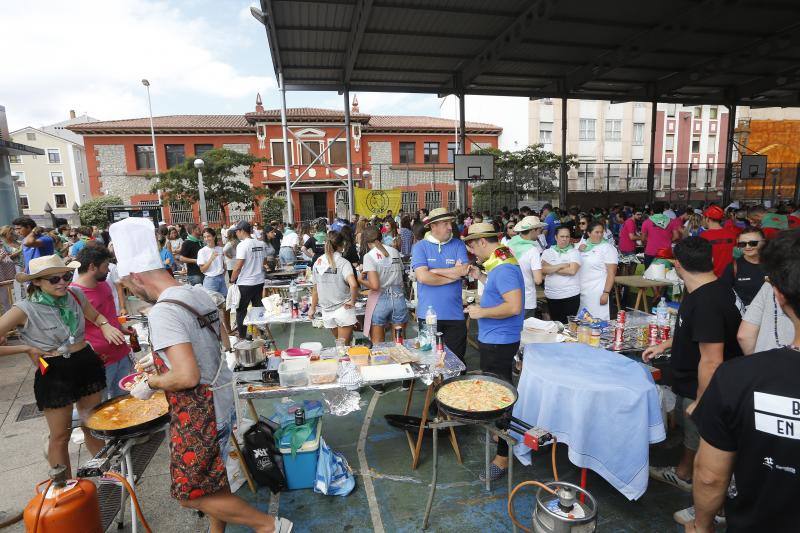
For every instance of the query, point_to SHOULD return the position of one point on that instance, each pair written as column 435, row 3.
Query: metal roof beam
column 539, row 10
column 402, row 33
column 266, row 17
column 361, row 15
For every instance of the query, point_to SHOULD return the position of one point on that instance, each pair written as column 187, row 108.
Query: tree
column 519, row 172
column 272, row 207
column 227, row 178
column 93, row 212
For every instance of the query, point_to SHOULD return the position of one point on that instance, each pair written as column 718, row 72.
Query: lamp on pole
column 49, row 210
column 146, row 84
column 198, row 164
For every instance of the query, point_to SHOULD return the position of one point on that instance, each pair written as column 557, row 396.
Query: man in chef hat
column 186, row 364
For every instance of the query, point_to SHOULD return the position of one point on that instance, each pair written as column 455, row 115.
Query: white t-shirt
column 252, row 251
column 593, row 264
column 229, row 250
column 217, row 266
column 530, row 261
column 389, row 269
column 559, row 286
column 333, row 290
column 290, row 239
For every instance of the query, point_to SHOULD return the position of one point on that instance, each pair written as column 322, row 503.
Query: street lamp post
column 49, row 210
column 146, row 84
column 198, row 164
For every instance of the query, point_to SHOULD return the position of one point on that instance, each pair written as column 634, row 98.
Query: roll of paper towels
column 658, row 271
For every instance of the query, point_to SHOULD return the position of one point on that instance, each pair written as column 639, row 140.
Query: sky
column 200, row 56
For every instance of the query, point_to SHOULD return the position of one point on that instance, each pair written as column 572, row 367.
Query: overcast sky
column 201, row 57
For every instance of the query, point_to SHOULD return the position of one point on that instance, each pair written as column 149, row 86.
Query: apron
column 593, row 280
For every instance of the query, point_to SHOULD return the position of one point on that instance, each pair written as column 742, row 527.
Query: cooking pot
column 249, row 353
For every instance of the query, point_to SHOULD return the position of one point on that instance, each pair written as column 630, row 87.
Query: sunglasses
column 752, row 244
column 66, row 276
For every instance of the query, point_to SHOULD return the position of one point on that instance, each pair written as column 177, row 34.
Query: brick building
column 411, row 152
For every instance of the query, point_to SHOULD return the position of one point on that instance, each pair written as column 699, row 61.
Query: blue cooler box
column 301, row 470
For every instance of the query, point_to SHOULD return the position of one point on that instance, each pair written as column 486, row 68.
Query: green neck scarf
column 560, row 250
column 661, row 220
column 519, row 245
column 194, row 239
column 320, row 237
column 589, row 244
column 501, row 255
column 61, row 303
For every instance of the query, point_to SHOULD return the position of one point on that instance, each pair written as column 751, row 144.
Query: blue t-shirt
column 445, row 299
column 77, row 247
column 502, row 279
column 31, row 252
column 553, row 224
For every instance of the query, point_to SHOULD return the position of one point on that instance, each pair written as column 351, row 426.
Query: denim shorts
column 225, row 424
column 216, row 284
column 391, row 308
column 287, row 255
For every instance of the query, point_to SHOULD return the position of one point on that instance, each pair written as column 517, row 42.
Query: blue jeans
column 114, row 373
column 195, row 279
column 287, row 256
column 216, row 284
column 391, row 308
column 224, row 426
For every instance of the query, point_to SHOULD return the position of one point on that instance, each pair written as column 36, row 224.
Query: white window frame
column 671, row 110
column 329, row 155
column 548, row 138
column 713, row 110
column 638, row 140
column 711, row 144
column 697, row 112
column 309, row 142
column 63, row 181
column 695, row 139
column 17, row 162
column 272, row 142
column 27, row 201
column 56, row 150
column 436, row 199
column 613, row 130
column 30, row 135
column 19, row 175
column 585, row 132
column 55, row 203
column 669, row 143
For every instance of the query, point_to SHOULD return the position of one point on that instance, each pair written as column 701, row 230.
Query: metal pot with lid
column 249, row 353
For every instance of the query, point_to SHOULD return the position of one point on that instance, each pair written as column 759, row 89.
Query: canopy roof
column 686, row 51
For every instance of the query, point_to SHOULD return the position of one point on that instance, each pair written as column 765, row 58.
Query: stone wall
column 385, row 175
column 113, row 169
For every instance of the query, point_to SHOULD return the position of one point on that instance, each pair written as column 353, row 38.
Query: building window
column 276, row 147
column 31, row 136
column 586, row 173
column 176, row 154
column 60, row 200
column 669, row 145
column 698, row 111
column 696, row 145
column 407, row 152
column 452, row 150
column 711, row 146
column 547, row 101
column 338, row 152
column 636, row 168
column 410, row 203
column 545, row 133
column 433, row 199
column 200, row 149
column 693, row 178
column 638, row 133
column 587, row 127
column 712, row 112
column 613, row 130
column 145, row 159
column 57, row 179
column 451, row 201
column 430, row 152
column 309, row 150
column 53, row 156
column 671, row 110
column 19, row 177
column 23, row 201
column 15, row 159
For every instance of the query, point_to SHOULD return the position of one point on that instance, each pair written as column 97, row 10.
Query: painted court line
column 374, row 511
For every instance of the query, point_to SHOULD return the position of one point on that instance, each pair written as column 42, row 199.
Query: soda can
column 621, row 317
column 398, row 335
column 619, row 335
column 653, row 334
column 665, row 332
column 295, row 310
column 299, row 416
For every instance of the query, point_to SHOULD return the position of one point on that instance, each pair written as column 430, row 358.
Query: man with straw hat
column 439, row 262
column 187, row 364
column 499, row 315
column 527, row 247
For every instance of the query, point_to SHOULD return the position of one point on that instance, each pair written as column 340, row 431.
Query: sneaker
column 495, row 473
column 667, row 474
column 686, row 516
column 283, row 525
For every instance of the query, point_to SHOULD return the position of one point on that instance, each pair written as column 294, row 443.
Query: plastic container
column 294, row 353
column 323, row 372
column 315, row 347
column 294, row 373
column 360, row 359
column 301, row 470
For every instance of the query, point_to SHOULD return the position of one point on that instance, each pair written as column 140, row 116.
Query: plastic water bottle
column 431, row 323
column 662, row 313
column 293, row 291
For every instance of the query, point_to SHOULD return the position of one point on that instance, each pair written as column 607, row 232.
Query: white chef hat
column 135, row 245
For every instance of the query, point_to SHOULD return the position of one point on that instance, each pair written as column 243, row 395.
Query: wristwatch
column 103, row 323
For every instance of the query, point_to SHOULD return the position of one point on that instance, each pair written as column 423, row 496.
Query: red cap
column 714, row 212
column 664, row 253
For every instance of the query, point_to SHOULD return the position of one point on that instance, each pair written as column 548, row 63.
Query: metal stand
column 490, row 429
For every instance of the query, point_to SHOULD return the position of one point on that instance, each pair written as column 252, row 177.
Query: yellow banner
column 376, row 202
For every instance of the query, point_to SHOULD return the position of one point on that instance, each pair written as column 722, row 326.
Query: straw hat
column 438, row 215
column 44, row 266
column 528, row 223
column 480, row 230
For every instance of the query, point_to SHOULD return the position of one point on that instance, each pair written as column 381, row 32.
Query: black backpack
column 263, row 457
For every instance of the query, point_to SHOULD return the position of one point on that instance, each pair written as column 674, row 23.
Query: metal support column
column 350, row 193
column 461, row 187
column 563, row 182
column 728, row 182
column 651, row 167
column 286, row 159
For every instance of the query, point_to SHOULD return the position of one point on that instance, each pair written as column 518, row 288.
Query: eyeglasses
column 752, row 244
column 66, row 276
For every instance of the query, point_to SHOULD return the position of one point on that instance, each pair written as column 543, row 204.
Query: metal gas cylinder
column 564, row 512
column 68, row 506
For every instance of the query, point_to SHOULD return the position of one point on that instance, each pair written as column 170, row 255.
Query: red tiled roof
column 401, row 122
column 305, row 113
column 168, row 123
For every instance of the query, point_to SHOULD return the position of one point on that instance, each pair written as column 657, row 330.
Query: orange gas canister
column 67, row 506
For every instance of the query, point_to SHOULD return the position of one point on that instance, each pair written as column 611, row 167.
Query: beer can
column 299, row 416
column 619, row 334
column 295, row 310
column 621, row 317
column 398, row 335
column 664, row 333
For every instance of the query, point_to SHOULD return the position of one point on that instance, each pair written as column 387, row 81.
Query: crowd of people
column 739, row 266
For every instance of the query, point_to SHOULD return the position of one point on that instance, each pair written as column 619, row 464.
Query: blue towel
column 603, row 405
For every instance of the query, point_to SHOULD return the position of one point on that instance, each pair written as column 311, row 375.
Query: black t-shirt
column 276, row 241
column 189, row 249
column 752, row 407
column 748, row 279
column 317, row 247
column 708, row 315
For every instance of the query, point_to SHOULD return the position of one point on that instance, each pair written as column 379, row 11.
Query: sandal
column 495, row 473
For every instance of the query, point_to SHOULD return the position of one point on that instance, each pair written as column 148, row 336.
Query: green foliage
column 272, row 207
column 93, row 212
column 220, row 180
